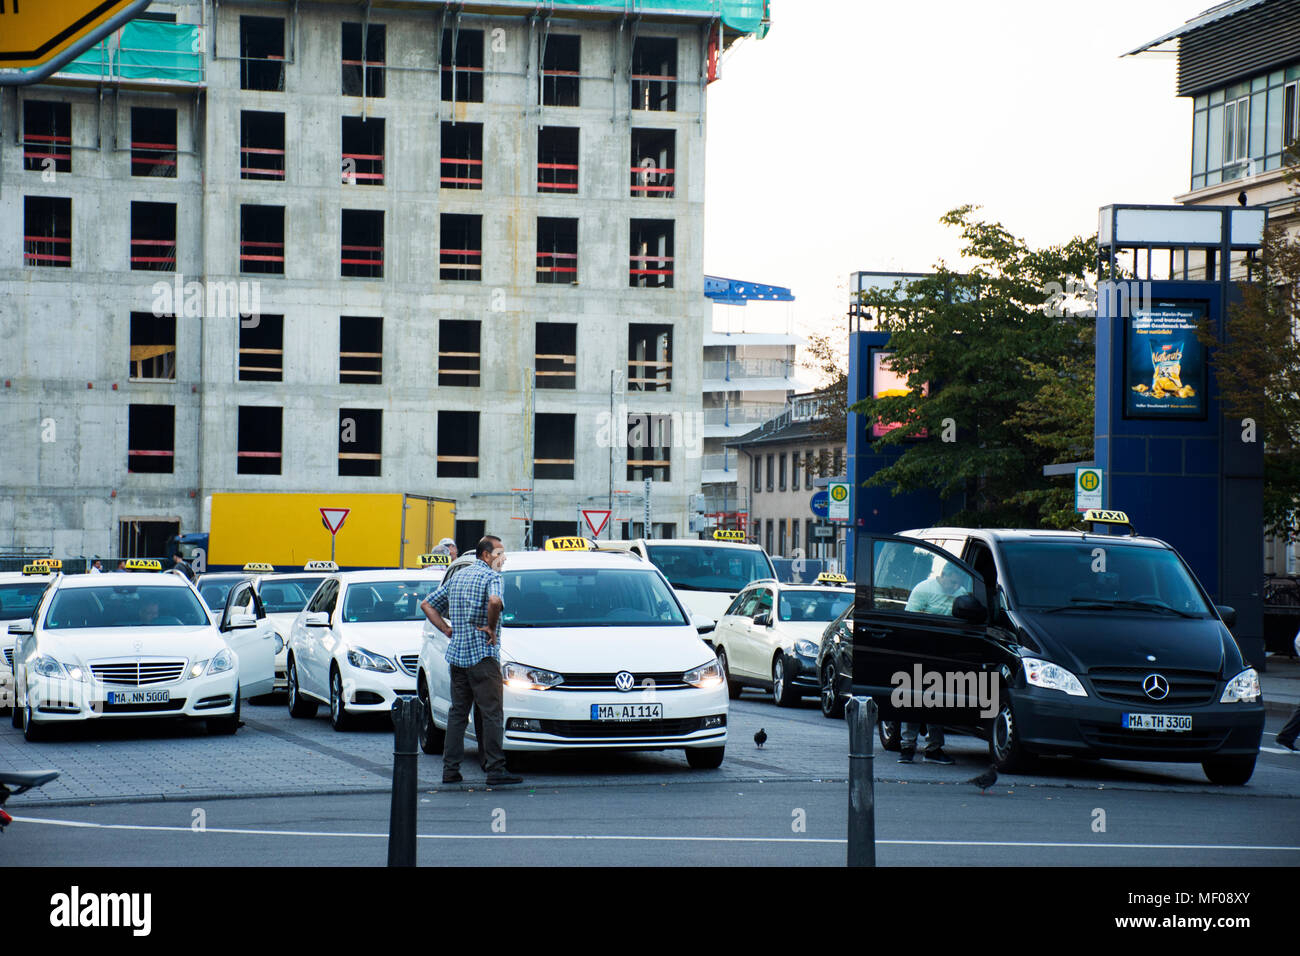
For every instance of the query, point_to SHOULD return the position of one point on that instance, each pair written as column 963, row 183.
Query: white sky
column 836, row 143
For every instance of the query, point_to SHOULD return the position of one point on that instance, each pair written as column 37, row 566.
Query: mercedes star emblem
column 624, row 681
column 1156, row 687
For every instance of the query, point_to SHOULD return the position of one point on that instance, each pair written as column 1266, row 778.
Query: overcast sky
column 836, row 143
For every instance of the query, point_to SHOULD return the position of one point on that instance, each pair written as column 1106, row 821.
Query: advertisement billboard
column 887, row 383
column 1165, row 371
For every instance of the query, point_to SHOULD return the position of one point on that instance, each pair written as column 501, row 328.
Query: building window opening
column 461, row 253
column 261, row 349
column 261, row 54
column 557, row 159
column 654, row 163
column 556, row 359
column 363, row 151
column 260, row 440
column 153, row 347
column 261, row 239
column 153, row 142
column 361, row 433
column 650, row 262
column 654, row 74
column 47, row 231
column 649, row 358
column 151, row 439
column 361, row 349
column 363, row 243
column 47, row 136
column 462, row 74
column 553, row 445
column 462, row 156
column 557, row 251
column 153, row 236
column 363, row 76
column 561, row 70
column 458, row 352
column 649, row 447
column 261, row 145
column 458, row 444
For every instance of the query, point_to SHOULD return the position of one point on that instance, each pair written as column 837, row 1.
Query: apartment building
column 426, row 247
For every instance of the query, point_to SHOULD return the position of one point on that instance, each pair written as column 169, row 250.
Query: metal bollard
column 407, row 714
column 861, row 715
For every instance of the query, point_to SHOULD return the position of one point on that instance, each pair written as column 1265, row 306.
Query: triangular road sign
column 587, row 516
column 333, row 518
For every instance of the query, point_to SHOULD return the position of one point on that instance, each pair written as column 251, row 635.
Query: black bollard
column 407, row 714
column 861, row 716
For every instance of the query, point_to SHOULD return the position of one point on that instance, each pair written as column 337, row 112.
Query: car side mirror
column 317, row 619
column 25, row 626
column 1229, row 614
column 968, row 608
column 705, row 627
column 239, row 622
column 763, row 619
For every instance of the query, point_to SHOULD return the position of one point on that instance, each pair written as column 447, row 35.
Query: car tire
column 733, row 689
column 1006, row 752
column 890, row 733
column 34, row 732
column 225, row 726
column 1229, row 771
column 705, row 758
column 340, row 719
column 299, row 706
column 431, row 738
column 782, row 692
column 831, row 701
column 16, row 718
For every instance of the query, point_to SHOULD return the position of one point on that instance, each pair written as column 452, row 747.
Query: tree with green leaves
column 999, row 381
column 832, row 423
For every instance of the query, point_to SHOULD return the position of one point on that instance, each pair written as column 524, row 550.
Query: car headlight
column 222, row 661
column 197, row 668
column 805, row 648
column 1052, row 676
column 370, row 661
column 1244, row 688
column 47, row 666
column 279, row 642
column 706, row 675
column 523, row 677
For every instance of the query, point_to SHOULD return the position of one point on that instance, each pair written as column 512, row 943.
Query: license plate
column 627, row 711
column 139, row 696
column 1170, row 722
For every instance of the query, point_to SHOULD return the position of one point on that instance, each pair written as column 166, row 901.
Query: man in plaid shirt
column 472, row 601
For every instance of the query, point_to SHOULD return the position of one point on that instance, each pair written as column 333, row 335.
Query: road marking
column 80, row 824
column 1276, row 750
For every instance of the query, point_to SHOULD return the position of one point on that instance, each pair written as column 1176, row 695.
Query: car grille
column 138, row 673
column 1123, row 685
column 1155, row 741
column 156, row 708
column 410, row 663
column 669, row 680
column 599, row 730
column 9, row 657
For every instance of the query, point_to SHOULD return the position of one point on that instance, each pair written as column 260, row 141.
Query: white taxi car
column 134, row 644
column 355, row 645
column 769, row 636
column 20, row 592
column 596, row 652
column 284, row 595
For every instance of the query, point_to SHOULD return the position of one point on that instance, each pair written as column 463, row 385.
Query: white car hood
column 110, row 643
column 605, row 650
column 390, row 638
column 706, row 606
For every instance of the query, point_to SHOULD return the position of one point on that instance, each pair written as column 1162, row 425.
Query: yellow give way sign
column 33, row 32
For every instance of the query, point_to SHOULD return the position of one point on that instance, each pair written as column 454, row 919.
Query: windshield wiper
column 1093, row 604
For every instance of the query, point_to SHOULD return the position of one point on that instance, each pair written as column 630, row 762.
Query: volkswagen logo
column 624, row 681
column 1156, row 686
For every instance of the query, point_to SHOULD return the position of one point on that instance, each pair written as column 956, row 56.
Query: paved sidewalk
column 1281, row 685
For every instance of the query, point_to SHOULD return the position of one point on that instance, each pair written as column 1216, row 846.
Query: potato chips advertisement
column 887, row 383
column 1164, row 362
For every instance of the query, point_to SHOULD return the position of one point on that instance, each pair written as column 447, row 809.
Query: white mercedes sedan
column 596, row 652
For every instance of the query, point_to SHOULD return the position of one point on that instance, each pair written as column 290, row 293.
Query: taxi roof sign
column 728, row 534
column 259, row 566
column 48, row 562
column 320, row 566
column 37, row 569
column 1098, row 516
column 144, row 564
column 431, row 559
column 826, row 577
column 569, row 544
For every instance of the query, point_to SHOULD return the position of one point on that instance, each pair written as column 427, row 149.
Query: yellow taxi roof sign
column 260, row 567
column 48, row 563
column 826, row 577
column 725, row 534
column 1098, row 516
column 320, row 566
column 37, row 569
column 144, row 564
column 431, row 559
column 569, row 544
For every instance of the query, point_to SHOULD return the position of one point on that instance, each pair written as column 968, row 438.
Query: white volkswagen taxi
column 596, row 652
column 134, row 644
column 355, row 645
column 20, row 592
column 770, row 636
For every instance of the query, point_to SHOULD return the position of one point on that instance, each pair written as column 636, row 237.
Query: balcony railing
column 748, row 368
column 746, row 414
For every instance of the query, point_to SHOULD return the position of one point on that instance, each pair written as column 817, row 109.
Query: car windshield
column 588, row 597
column 288, row 595
column 710, row 568
column 1099, row 573
column 214, row 591
column 368, row 602
column 18, row 601
column 822, row 606
column 125, row 605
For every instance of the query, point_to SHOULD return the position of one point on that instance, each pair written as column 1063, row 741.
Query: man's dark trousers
column 479, row 685
column 1288, row 733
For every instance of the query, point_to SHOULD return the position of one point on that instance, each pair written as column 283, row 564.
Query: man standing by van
column 472, row 600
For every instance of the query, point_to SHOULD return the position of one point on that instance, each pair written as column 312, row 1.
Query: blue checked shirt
column 463, row 601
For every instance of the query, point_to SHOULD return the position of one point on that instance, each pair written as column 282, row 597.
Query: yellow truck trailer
column 288, row 530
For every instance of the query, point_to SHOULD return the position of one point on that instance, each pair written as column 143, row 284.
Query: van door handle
column 878, row 633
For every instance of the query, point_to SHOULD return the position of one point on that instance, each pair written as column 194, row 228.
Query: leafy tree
column 824, row 358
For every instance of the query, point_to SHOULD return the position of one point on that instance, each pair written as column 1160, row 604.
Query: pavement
column 1280, row 683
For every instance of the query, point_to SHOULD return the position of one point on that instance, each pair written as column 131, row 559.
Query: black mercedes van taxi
column 1089, row 643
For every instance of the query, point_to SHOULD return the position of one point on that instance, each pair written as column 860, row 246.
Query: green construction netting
column 746, row 16
column 94, row 62
column 161, row 51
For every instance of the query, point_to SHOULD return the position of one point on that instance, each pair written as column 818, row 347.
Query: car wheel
column 340, row 719
column 299, row 706
column 832, row 703
column 890, row 734
column 34, row 732
column 16, row 718
column 1005, row 749
column 705, row 758
column 431, row 738
column 782, row 692
column 225, row 726
column 1229, row 771
column 733, row 689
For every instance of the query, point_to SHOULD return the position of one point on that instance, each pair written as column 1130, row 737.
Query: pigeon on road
column 760, row 738
column 986, row 779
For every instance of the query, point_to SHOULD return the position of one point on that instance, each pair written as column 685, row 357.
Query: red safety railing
column 248, row 155
column 168, row 246
column 633, row 270
column 153, row 156
column 461, row 181
column 460, row 260
column 646, row 188
column 253, row 257
column 547, row 265
column 373, row 257
column 33, row 255
column 258, row 454
column 563, row 177
column 60, row 147
column 138, row 453
column 374, row 170
column 641, row 86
